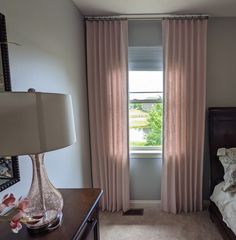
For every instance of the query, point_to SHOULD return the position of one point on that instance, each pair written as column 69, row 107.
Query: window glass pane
column 145, row 81
column 145, row 123
column 146, row 96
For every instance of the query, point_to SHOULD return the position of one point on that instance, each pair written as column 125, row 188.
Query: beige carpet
column 157, row 225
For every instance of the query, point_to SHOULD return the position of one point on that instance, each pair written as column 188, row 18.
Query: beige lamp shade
column 34, row 122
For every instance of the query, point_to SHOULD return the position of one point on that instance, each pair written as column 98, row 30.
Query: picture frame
column 9, row 166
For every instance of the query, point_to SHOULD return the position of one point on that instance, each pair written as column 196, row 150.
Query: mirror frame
column 7, row 85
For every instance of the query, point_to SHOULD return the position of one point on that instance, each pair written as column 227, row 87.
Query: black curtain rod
column 147, row 17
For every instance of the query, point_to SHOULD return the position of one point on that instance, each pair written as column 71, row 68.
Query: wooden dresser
column 80, row 218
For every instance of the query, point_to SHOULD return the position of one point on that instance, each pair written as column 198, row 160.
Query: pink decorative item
column 7, row 201
column 16, row 212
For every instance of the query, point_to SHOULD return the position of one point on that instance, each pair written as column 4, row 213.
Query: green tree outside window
column 154, row 123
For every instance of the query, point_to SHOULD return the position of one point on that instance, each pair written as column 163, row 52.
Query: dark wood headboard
column 222, row 133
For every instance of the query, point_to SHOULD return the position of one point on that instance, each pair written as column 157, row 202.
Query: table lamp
column 32, row 123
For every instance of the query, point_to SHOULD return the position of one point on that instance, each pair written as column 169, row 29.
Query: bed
column 222, row 134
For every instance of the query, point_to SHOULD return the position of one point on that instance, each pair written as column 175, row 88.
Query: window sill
column 145, row 154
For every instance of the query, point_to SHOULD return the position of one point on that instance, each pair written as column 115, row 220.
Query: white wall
column 145, row 178
column 221, row 64
column 51, row 59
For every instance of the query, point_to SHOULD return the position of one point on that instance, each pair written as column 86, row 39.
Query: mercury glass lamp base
column 45, row 201
column 51, row 221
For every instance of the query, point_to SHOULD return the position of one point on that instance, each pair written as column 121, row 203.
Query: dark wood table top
column 77, row 206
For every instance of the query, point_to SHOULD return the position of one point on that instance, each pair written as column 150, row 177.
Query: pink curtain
column 185, row 79
column 107, row 54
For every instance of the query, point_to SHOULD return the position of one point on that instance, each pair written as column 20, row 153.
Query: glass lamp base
column 51, row 221
column 45, row 201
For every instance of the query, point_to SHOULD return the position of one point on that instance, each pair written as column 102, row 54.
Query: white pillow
column 228, row 159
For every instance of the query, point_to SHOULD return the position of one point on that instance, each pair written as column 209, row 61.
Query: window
column 145, row 100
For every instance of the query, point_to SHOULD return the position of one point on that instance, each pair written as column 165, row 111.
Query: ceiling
column 217, row 8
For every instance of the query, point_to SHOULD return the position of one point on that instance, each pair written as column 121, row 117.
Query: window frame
column 145, row 58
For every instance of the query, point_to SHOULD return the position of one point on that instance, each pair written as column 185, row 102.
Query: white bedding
column 226, row 203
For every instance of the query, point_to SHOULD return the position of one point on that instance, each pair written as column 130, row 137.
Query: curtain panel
column 184, row 114
column 107, row 74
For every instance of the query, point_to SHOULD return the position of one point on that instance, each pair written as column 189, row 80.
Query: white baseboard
column 144, row 203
